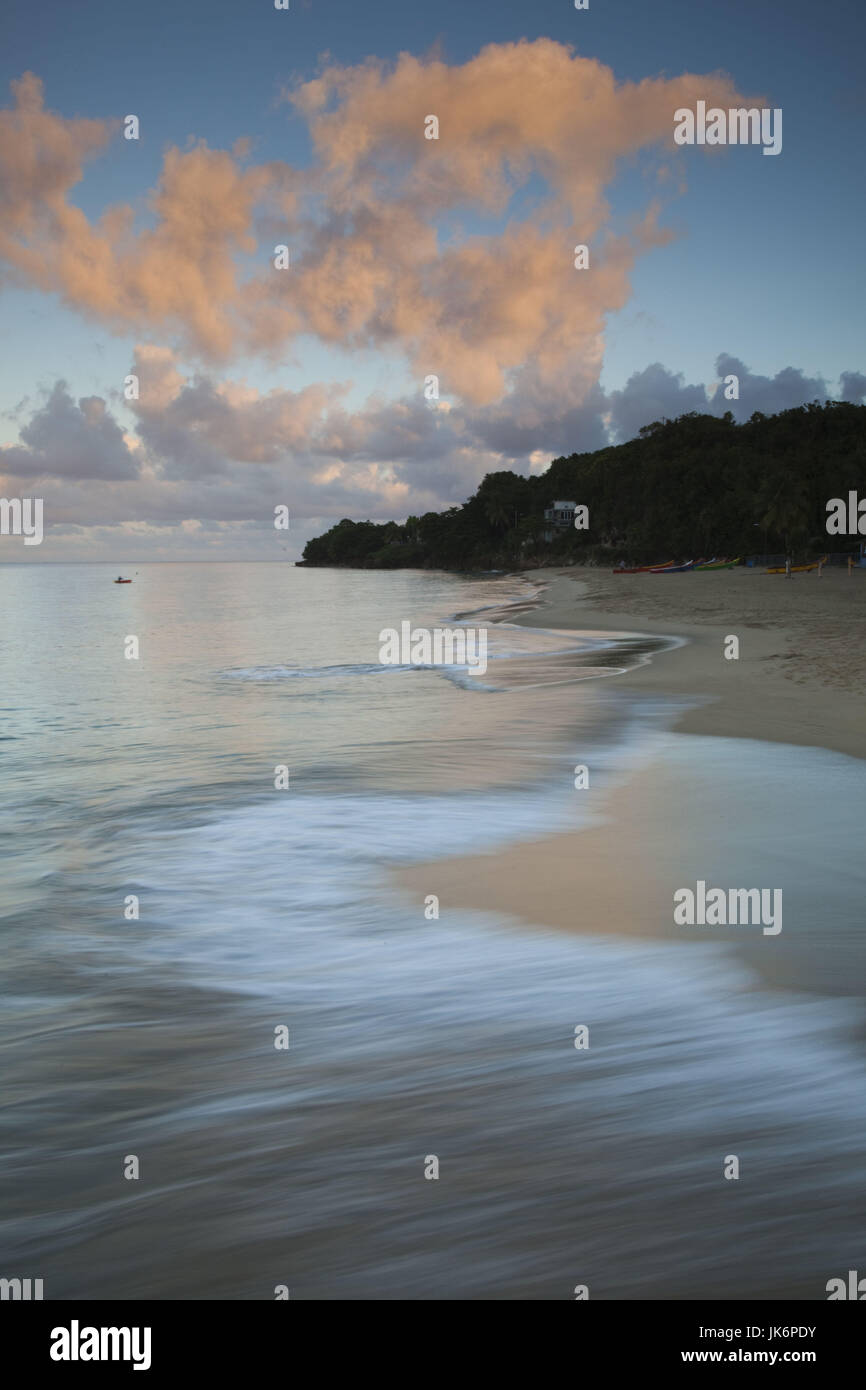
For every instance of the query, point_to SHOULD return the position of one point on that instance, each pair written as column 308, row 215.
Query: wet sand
column 801, row 673
column 799, row 680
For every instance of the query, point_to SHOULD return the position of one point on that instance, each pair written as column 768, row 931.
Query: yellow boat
column 797, row 569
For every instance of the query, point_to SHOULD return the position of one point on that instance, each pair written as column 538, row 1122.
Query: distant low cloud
column 69, row 439
column 788, row 388
column 656, row 393
column 853, row 387
column 653, row 394
column 217, row 456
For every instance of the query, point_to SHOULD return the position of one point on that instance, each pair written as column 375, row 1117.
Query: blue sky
column 766, row 263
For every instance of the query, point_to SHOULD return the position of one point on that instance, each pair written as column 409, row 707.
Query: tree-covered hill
column 698, row 485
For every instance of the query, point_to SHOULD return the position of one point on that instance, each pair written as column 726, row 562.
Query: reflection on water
column 408, row 1037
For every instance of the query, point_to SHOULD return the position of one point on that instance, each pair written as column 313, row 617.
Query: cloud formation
column 657, row 393
column 65, row 439
column 216, row 455
column 456, row 252
column 384, row 233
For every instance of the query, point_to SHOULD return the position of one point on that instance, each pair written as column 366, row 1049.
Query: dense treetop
column 700, row 485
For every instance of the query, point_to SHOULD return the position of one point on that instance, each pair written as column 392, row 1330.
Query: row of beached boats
column 671, row 568
column 696, row 565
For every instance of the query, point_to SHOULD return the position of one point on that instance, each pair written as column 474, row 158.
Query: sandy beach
column 800, row 680
column 801, row 673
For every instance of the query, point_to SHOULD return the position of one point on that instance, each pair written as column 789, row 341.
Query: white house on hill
column 559, row 516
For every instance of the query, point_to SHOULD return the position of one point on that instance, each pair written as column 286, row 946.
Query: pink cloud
column 371, row 262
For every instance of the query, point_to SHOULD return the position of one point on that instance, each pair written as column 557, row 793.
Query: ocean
column 409, row 1037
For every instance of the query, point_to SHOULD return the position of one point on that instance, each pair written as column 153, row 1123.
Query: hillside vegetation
column 696, row 486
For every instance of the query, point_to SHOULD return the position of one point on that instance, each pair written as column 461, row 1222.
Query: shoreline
column 798, row 680
column 699, row 802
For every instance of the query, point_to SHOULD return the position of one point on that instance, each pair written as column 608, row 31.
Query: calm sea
column 263, row 909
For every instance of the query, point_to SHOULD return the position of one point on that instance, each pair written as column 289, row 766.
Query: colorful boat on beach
column 674, row 569
column 642, row 569
column 796, row 569
column 717, row 564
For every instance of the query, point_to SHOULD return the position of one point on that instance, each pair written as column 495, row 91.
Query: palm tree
column 496, row 513
column 787, row 513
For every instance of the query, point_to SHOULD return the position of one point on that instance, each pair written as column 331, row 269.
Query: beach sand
column 800, row 679
column 801, row 673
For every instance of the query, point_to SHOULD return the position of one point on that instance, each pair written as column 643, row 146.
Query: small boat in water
column 122, row 581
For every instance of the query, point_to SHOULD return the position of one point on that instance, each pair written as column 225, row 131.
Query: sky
column 166, row 385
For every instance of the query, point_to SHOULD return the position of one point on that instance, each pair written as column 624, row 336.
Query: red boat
column 643, row 569
column 123, row 581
